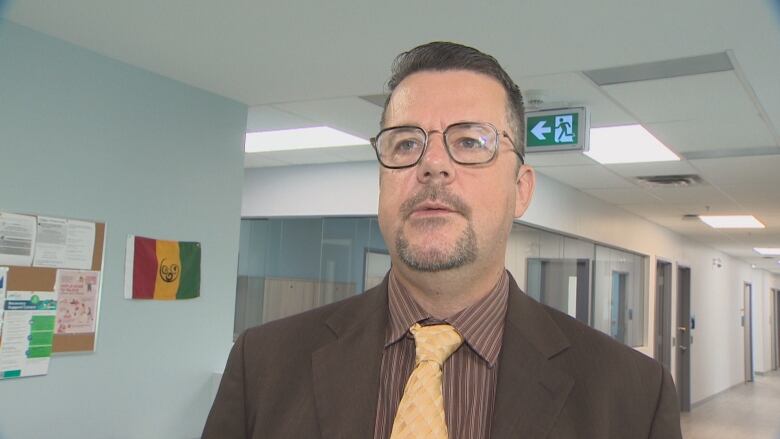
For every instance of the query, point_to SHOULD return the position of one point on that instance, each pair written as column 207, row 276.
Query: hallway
column 750, row 411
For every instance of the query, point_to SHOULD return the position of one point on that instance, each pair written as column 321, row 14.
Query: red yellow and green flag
column 162, row 270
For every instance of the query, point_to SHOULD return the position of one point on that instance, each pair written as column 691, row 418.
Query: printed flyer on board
column 64, row 243
column 17, row 239
column 77, row 292
column 28, row 333
column 3, row 277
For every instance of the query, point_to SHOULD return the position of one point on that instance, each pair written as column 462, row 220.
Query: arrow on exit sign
column 540, row 130
column 557, row 130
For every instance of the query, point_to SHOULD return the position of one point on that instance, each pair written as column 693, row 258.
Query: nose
column 436, row 165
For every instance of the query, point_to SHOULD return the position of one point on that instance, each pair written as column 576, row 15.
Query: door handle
column 683, row 348
column 682, row 328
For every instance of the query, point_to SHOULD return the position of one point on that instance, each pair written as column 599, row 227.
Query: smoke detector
column 534, row 99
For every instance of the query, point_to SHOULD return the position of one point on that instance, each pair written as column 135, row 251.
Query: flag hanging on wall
column 161, row 270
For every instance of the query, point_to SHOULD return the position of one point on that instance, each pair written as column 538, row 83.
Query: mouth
column 431, row 209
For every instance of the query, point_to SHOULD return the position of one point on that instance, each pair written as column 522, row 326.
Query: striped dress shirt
column 469, row 375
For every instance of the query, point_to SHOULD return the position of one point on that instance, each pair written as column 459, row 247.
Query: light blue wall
column 84, row 136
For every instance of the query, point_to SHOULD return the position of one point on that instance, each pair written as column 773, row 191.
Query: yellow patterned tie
column 421, row 411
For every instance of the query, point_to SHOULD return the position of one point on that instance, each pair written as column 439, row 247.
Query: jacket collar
column 530, row 391
column 346, row 370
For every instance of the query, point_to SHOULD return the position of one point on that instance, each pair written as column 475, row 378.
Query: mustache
column 435, row 193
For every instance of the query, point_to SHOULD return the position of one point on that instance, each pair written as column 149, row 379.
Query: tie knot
column 435, row 343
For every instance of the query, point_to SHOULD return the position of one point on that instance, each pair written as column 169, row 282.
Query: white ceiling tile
column 710, row 208
column 353, row 115
column 623, row 196
column 748, row 131
column 692, row 195
column 708, row 97
column 587, row 177
column 654, row 168
column 574, row 90
column 685, row 226
column 761, row 199
column 567, row 158
column 267, row 118
column 741, row 171
column 772, row 222
column 754, row 238
column 654, row 209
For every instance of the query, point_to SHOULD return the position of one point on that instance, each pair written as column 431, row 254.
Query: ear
column 524, row 191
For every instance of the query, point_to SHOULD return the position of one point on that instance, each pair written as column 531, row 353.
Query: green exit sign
column 557, row 130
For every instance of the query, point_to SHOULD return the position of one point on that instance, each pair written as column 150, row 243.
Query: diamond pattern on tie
column 421, row 411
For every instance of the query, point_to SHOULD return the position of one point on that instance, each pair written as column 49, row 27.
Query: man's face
column 440, row 215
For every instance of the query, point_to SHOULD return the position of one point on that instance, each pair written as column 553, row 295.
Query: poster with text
column 28, row 333
column 3, row 275
column 63, row 243
column 77, row 296
column 17, row 239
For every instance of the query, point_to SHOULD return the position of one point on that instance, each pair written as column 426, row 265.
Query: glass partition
column 556, row 267
column 619, row 295
column 287, row 266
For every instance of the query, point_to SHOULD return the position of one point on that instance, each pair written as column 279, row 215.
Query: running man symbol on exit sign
column 556, row 130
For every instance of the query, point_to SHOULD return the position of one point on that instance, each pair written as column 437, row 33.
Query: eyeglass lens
column 467, row 143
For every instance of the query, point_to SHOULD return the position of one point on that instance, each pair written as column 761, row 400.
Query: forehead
column 445, row 97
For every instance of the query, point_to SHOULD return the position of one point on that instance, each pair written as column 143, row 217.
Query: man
column 452, row 179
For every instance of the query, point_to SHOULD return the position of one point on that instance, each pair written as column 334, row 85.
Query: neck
column 445, row 293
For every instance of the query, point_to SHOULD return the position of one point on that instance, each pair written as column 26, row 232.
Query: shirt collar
column 481, row 324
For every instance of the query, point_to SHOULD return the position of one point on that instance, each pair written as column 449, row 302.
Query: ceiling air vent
column 670, row 180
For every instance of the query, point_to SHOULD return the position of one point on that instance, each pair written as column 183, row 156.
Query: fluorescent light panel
column 299, row 138
column 767, row 251
column 627, row 144
column 731, row 221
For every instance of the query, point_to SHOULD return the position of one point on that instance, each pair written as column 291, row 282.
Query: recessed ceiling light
column 767, row 251
column 732, row 221
column 299, row 138
column 627, row 144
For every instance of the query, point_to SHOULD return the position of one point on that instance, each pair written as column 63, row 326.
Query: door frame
column 774, row 313
column 747, row 329
column 684, row 338
column 621, row 293
column 663, row 312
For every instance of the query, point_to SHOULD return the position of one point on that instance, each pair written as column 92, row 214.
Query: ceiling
column 308, row 63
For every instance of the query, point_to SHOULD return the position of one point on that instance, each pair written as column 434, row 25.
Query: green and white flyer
column 3, row 281
column 28, row 331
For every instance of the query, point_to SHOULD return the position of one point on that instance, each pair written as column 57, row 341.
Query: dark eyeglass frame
column 426, row 134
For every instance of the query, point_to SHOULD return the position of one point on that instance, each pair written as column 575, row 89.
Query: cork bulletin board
column 44, row 279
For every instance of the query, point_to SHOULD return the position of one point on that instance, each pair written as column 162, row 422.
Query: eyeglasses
column 468, row 143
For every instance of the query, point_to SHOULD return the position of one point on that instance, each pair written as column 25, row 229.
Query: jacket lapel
column 530, row 391
column 346, row 370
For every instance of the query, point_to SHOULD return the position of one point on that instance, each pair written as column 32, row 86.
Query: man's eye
column 406, row 145
column 470, row 143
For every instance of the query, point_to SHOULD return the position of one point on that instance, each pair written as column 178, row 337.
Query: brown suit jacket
column 316, row 375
